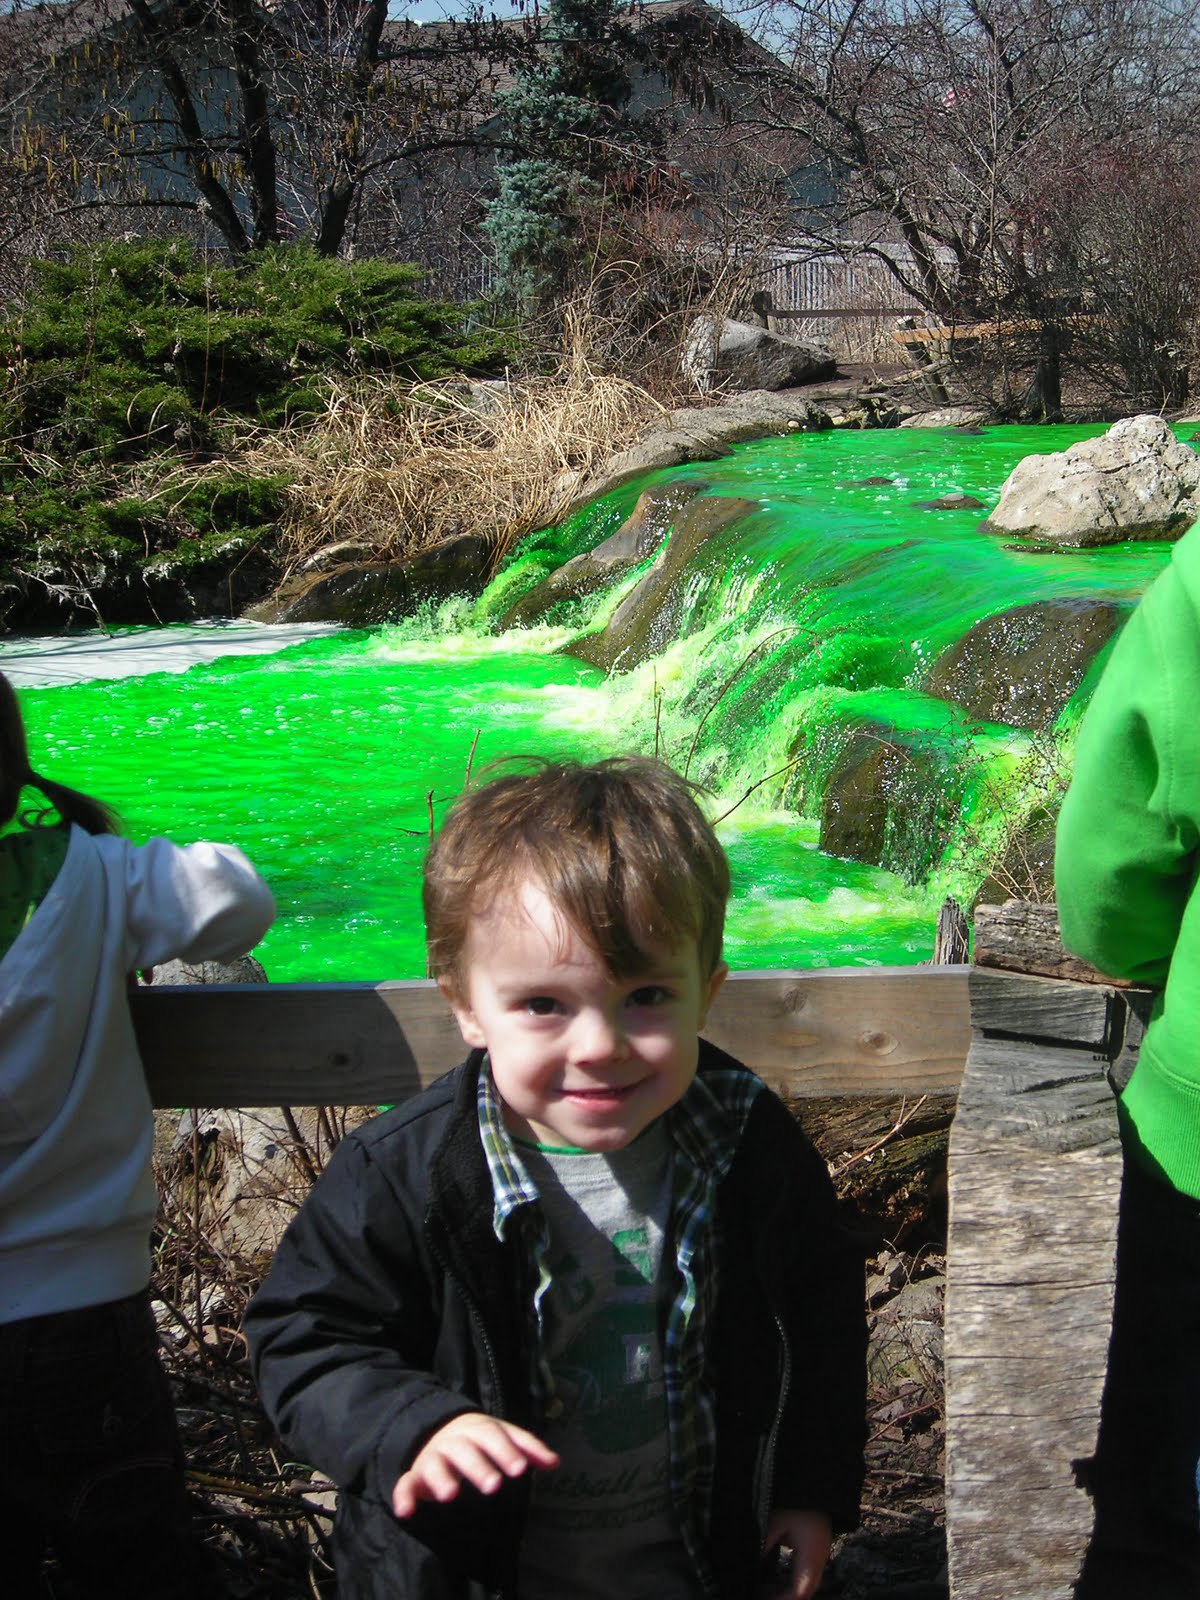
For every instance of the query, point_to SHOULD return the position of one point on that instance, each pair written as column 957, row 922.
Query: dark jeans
column 90, row 1462
column 1146, row 1542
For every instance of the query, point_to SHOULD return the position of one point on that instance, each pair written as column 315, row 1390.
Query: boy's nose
column 598, row 1037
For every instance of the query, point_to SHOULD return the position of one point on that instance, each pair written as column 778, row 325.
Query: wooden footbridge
column 1034, row 1176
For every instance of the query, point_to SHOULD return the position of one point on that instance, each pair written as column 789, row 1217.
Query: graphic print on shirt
column 608, row 1378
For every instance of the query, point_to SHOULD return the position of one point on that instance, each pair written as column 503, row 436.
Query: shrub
column 108, row 544
column 126, row 373
column 137, row 347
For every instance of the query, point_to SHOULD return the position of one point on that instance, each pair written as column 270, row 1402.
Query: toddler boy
column 578, row 1322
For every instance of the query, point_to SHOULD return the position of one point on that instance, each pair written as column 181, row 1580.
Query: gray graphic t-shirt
column 602, row 1525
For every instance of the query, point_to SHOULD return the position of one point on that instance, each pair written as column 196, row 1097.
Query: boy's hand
column 809, row 1536
column 472, row 1448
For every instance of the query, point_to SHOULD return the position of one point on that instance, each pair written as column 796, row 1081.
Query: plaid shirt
column 705, row 1128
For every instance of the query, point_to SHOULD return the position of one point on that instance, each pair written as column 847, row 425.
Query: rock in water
column 721, row 352
column 1021, row 666
column 1135, row 482
column 651, row 615
column 638, row 536
column 966, row 417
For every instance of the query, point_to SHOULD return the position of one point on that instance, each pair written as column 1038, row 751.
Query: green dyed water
column 822, row 608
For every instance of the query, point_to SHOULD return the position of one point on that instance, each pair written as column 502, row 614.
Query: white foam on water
column 49, row 662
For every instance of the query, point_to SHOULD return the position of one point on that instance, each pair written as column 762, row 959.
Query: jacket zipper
column 477, row 1322
column 767, row 1482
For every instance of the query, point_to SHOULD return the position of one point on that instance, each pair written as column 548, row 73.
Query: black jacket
column 391, row 1306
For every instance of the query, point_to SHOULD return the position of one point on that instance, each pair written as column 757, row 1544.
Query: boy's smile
column 578, row 1057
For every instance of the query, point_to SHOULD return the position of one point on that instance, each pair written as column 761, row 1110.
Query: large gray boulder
column 721, row 353
column 1134, row 482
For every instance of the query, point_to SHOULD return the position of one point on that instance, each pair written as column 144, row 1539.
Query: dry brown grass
column 401, row 469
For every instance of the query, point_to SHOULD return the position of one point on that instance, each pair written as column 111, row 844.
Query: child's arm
column 472, row 1448
column 202, row 902
column 809, row 1536
column 1125, row 850
column 343, row 1331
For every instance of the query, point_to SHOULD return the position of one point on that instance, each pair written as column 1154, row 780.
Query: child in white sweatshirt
column 90, row 1462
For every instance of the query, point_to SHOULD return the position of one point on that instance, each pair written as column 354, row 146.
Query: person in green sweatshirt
column 1127, row 860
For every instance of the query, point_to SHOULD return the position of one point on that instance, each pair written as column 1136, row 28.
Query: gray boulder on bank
column 721, row 352
column 962, row 416
column 1137, row 481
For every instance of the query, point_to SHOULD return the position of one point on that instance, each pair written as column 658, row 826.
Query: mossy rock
column 638, row 537
column 1022, row 666
column 651, row 617
column 891, row 800
column 362, row 594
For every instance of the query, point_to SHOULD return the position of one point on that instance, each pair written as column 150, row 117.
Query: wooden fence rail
column 853, row 1031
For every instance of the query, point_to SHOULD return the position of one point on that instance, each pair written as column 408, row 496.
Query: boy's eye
column 650, row 994
column 541, row 1005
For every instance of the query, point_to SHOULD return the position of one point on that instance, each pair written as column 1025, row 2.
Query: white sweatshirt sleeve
column 200, row 902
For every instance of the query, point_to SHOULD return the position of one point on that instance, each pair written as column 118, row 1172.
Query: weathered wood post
column 1035, row 1169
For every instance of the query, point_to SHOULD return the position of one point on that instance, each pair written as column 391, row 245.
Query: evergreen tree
column 560, row 117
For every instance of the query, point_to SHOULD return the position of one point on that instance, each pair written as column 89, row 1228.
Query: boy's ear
column 467, row 1025
column 714, row 983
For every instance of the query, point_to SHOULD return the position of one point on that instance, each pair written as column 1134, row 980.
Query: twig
column 898, row 1516
column 897, row 1472
column 869, row 1150
column 930, row 1405
column 300, row 1148
column 197, row 1281
column 471, row 759
column 250, row 1491
column 778, row 773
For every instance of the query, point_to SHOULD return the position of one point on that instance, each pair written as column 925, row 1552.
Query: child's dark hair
column 620, row 847
column 93, row 816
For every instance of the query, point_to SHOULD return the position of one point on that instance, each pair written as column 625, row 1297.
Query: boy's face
column 578, row 1057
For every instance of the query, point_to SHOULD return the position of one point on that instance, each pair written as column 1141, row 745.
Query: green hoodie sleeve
column 1126, row 852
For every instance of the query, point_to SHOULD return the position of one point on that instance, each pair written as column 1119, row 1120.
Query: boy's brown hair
column 620, row 847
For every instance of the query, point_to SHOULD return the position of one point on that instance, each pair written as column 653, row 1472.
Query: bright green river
column 823, row 606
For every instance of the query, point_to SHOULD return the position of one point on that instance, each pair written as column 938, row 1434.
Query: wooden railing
column 855, row 1031
column 1033, row 1171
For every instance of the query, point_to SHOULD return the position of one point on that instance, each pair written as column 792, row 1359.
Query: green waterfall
column 790, row 638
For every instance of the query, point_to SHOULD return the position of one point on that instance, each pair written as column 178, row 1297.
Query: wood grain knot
column 794, row 1000
column 881, row 1043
